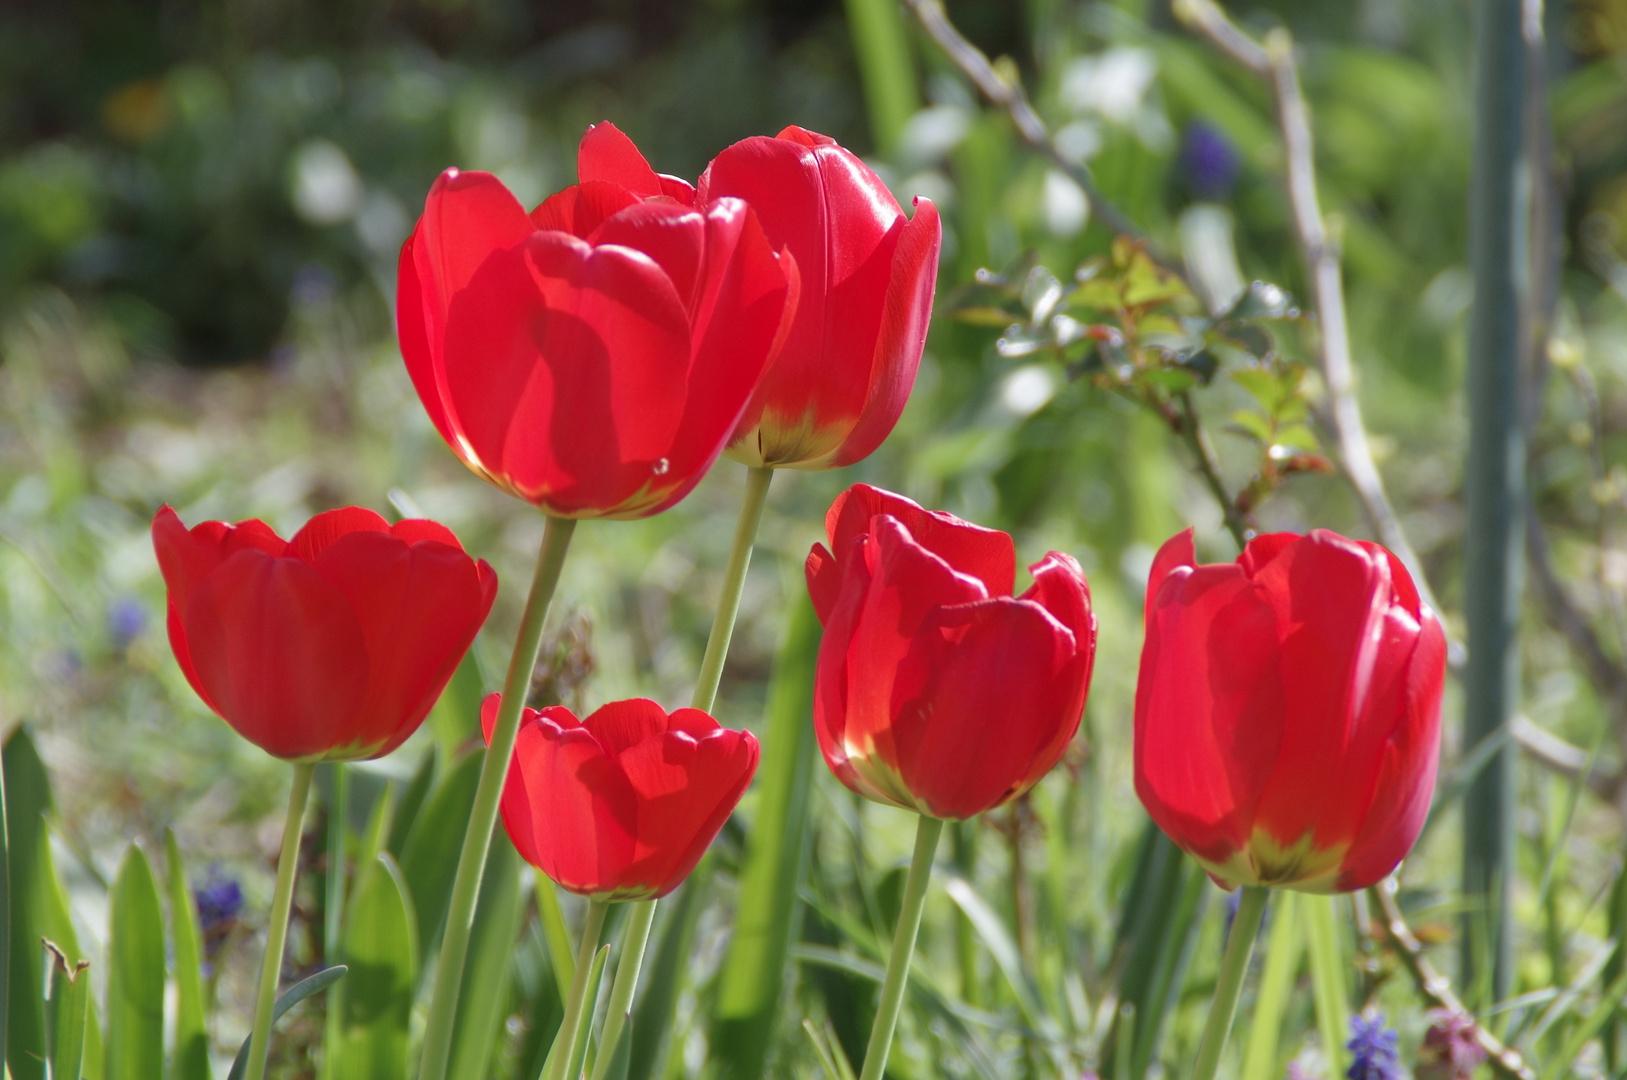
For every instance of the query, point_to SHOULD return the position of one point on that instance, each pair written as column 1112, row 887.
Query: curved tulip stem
column 1239, row 948
column 898, row 964
column 734, row 581
column 282, row 901
column 443, row 1003
column 571, row 1026
column 621, row 994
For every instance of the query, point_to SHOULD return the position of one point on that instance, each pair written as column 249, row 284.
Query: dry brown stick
column 1436, row 988
column 1274, row 61
column 1008, row 94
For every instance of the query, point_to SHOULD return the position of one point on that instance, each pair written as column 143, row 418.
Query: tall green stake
column 1500, row 245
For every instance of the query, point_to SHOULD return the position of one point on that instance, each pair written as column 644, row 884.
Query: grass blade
column 653, row 1016
column 68, row 997
column 28, row 796
column 1327, row 978
column 290, row 997
column 488, row 976
column 433, row 846
column 135, row 974
column 191, row 1049
column 1284, row 948
column 753, row 973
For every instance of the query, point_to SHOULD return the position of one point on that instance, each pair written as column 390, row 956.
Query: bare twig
column 1274, row 61
column 1436, row 988
column 1191, row 429
column 1563, row 759
column 1008, row 94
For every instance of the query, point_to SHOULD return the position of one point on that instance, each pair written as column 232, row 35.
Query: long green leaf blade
column 28, row 796
column 1284, row 947
column 1327, row 978
column 191, row 1050
column 488, row 975
column 381, row 951
column 753, row 973
column 312, row 984
column 433, row 845
column 135, row 974
column 68, row 1010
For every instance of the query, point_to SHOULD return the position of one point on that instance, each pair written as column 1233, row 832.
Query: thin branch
column 1437, row 989
column 1274, row 61
column 1563, row 759
column 1009, row 95
column 1192, row 431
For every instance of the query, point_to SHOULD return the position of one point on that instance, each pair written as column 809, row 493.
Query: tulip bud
column 937, row 690
column 1288, row 710
column 622, row 805
column 867, row 275
column 594, row 356
column 331, row 646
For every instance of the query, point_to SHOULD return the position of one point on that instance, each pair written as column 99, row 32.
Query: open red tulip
column 937, row 690
column 594, row 356
column 622, row 805
column 867, row 273
column 1288, row 711
column 331, row 646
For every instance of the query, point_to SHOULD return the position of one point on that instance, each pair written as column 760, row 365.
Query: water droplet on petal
column 661, row 466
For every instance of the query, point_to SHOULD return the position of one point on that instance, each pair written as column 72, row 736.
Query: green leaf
column 1097, row 294
column 1283, row 950
column 1255, row 425
column 557, row 937
column 287, row 1000
column 51, row 904
column 653, row 1015
column 68, row 1009
column 1262, row 385
column 411, row 802
column 1327, row 978
column 28, row 796
column 455, row 720
column 381, row 951
column 5, row 921
column 1000, row 945
column 573, row 1064
column 753, row 973
column 191, row 1047
column 488, row 973
column 135, row 974
column 432, row 848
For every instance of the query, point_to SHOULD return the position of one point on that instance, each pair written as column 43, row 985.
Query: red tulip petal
column 328, row 526
column 1406, row 780
column 1177, row 551
column 986, row 554
column 467, row 217
column 420, row 606
column 677, row 189
column 418, row 530
column 841, row 225
column 513, row 803
column 1406, row 590
column 792, row 133
column 583, row 812
column 824, row 578
column 184, row 558
column 740, row 305
column 582, row 208
column 687, row 788
column 605, row 153
column 693, row 722
column 906, row 313
column 1060, row 588
column 621, row 725
column 183, row 655
column 281, row 653
column 674, row 236
column 1330, row 598
column 999, row 676
column 1264, row 549
column 903, row 585
column 1209, row 703
column 568, row 367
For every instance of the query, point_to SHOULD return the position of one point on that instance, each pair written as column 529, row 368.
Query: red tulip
column 331, row 646
column 1288, row 713
column 867, row 277
column 622, row 805
column 594, row 356
column 937, row 690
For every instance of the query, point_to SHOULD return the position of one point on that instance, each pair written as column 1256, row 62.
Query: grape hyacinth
column 1209, row 162
column 1374, row 1049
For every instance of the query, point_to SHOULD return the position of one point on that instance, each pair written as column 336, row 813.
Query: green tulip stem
column 1229, row 984
column 282, row 901
column 898, row 963
column 621, row 993
column 704, row 697
column 571, row 1026
column 460, row 912
column 734, row 581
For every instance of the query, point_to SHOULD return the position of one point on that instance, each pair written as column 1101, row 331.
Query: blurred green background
column 201, row 204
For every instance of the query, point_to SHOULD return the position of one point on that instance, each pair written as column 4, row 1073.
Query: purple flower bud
column 1450, row 1049
column 1208, row 162
column 1374, row 1048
